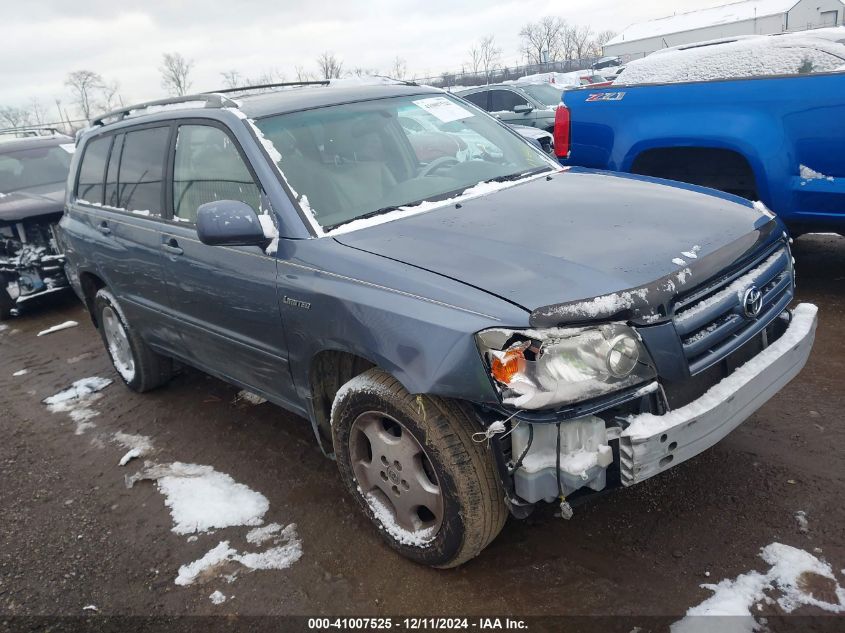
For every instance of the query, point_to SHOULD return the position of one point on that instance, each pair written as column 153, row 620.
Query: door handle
column 172, row 246
column 103, row 228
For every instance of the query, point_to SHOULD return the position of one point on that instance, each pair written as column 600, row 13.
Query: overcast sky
column 43, row 40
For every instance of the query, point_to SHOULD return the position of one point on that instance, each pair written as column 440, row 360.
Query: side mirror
column 523, row 108
column 229, row 223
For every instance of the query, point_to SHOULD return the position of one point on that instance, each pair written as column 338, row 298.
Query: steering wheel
column 437, row 163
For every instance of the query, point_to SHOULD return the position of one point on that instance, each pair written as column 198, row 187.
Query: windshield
column 548, row 94
column 363, row 159
column 31, row 168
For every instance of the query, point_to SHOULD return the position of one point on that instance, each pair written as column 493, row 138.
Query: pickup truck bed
column 780, row 140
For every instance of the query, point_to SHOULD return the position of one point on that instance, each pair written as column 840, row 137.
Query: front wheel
column 415, row 471
column 140, row 367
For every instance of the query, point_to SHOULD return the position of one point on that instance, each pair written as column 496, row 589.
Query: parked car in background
column 33, row 172
column 540, row 137
column 761, row 117
column 529, row 104
column 447, row 325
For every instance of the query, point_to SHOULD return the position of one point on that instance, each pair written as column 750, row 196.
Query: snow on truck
column 759, row 117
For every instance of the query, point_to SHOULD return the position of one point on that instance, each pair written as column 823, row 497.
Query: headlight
column 538, row 369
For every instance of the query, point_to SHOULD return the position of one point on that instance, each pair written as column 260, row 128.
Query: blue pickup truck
column 777, row 139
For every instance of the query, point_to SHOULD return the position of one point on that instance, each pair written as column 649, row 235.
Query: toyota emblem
column 752, row 302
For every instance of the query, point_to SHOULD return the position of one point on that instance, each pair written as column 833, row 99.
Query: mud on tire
column 141, row 368
column 472, row 512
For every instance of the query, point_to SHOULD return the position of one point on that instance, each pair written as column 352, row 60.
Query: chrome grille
column 713, row 322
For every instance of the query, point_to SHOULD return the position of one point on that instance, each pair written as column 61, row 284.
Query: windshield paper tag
column 443, row 109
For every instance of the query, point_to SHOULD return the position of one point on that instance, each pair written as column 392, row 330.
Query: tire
column 140, row 368
column 376, row 424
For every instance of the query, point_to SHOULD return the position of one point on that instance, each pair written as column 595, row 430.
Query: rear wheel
column 140, row 367
column 415, row 471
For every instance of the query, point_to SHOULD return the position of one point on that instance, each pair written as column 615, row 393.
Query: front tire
column 412, row 466
column 141, row 368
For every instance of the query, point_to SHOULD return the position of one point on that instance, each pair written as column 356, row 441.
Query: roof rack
column 209, row 99
column 285, row 84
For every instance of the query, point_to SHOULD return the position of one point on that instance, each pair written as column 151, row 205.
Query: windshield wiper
column 519, row 175
column 377, row 212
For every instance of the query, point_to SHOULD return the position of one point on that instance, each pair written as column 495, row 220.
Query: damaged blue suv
column 469, row 328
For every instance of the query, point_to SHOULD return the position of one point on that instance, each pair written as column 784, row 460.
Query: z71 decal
column 606, row 96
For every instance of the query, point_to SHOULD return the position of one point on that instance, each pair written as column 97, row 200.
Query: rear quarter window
column 92, row 170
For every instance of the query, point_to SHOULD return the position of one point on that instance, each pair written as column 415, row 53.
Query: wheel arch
column 737, row 166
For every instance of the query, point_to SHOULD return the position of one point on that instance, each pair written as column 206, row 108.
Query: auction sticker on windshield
column 443, row 109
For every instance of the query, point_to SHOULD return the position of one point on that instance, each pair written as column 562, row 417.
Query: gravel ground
column 74, row 535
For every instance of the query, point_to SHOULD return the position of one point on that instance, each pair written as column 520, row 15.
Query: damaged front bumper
column 553, row 460
column 654, row 443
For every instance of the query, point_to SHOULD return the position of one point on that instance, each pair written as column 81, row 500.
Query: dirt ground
column 72, row 534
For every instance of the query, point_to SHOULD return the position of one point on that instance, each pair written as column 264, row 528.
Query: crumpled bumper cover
column 654, row 443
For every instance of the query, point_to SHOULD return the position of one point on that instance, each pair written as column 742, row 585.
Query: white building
column 749, row 17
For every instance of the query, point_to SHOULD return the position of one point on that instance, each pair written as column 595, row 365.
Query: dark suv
column 469, row 332
column 33, row 172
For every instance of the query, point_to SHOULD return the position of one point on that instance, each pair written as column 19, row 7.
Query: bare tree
column 302, row 74
column 11, row 116
column 330, row 66
column 582, row 41
column 474, row 62
column 37, row 111
column 111, row 95
column 542, row 41
column 84, row 86
column 232, row 79
column 399, row 68
column 490, row 55
column 602, row 38
column 175, row 73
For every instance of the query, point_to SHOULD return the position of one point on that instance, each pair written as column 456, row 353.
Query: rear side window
column 92, row 171
column 478, row 98
column 208, row 167
column 140, row 178
column 505, row 101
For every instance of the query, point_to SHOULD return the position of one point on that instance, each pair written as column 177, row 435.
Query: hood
column 21, row 205
column 578, row 235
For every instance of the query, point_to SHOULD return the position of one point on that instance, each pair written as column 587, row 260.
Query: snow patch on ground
column 797, row 576
column 646, row 425
column 76, row 401
column 217, row 597
column 281, row 556
column 803, row 524
column 21, row 372
column 141, row 443
column 202, row 499
column 58, row 328
column 259, row 535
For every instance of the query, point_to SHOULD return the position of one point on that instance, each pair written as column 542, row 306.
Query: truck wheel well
column 330, row 370
column 90, row 285
column 720, row 169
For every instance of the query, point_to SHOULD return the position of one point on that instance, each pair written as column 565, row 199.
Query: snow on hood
column 576, row 236
column 788, row 54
